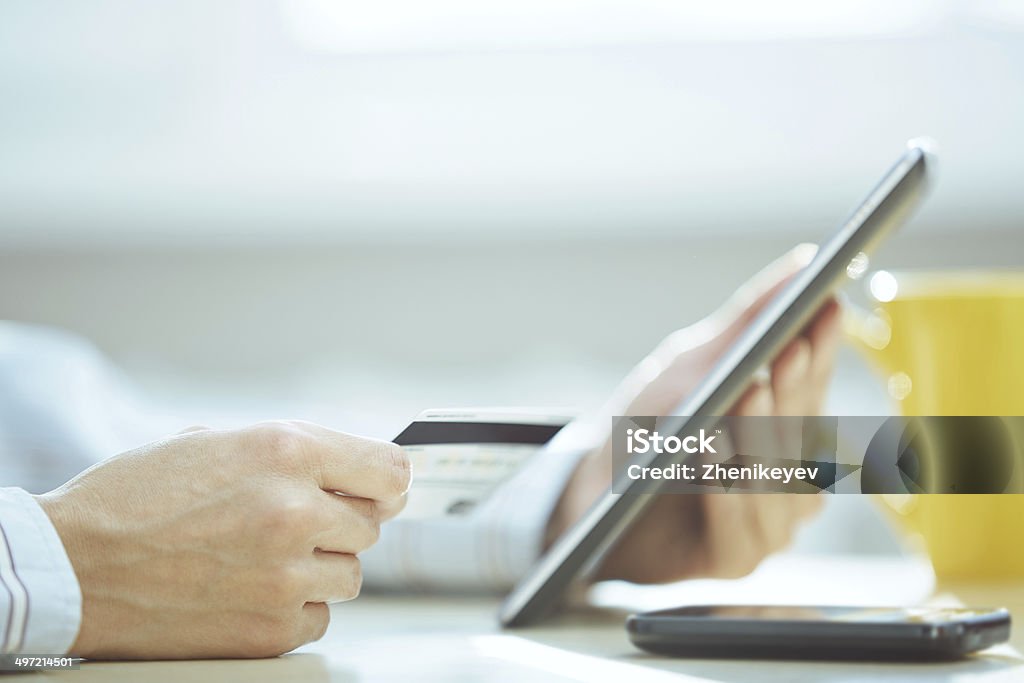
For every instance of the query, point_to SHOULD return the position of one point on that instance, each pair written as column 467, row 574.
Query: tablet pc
column 886, row 207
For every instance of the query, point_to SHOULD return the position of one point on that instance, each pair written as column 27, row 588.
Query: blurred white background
column 354, row 211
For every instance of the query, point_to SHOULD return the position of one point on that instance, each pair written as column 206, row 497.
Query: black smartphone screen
column 876, row 615
column 819, row 632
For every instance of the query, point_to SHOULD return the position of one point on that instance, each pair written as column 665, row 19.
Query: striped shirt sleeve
column 40, row 600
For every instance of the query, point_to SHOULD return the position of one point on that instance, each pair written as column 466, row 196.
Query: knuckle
column 301, row 511
column 280, row 443
column 266, row 636
column 286, row 585
column 288, row 514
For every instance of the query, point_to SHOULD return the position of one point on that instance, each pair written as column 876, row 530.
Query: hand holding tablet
column 787, row 313
column 682, row 536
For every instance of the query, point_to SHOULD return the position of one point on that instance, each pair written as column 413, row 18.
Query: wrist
column 71, row 530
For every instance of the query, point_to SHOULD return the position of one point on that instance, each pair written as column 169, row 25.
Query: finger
column 729, row 544
column 316, row 617
column 714, row 334
column 347, row 524
column 337, row 577
column 756, row 400
column 727, row 516
column 361, row 467
column 749, row 300
column 769, row 515
column 829, row 313
column 387, row 509
column 755, row 434
column 670, row 363
column 825, row 337
column 790, row 380
column 808, row 504
column 774, row 516
column 661, row 394
column 790, row 377
column 750, row 436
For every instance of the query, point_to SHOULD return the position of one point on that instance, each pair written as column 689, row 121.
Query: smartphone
column 794, row 632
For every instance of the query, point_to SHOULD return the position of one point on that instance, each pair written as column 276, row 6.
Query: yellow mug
column 952, row 343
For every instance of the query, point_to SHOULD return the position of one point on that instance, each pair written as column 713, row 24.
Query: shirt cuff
column 40, row 600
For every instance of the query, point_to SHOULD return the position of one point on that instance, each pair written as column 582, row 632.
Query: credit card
column 461, row 455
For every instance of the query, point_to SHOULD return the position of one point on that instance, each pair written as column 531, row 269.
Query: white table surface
column 438, row 638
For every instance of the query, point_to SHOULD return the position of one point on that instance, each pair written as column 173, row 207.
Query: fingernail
column 411, row 478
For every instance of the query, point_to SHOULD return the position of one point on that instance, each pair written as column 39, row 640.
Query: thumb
column 749, row 300
column 708, row 338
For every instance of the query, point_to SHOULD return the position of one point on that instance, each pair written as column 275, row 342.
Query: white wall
column 197, row 123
